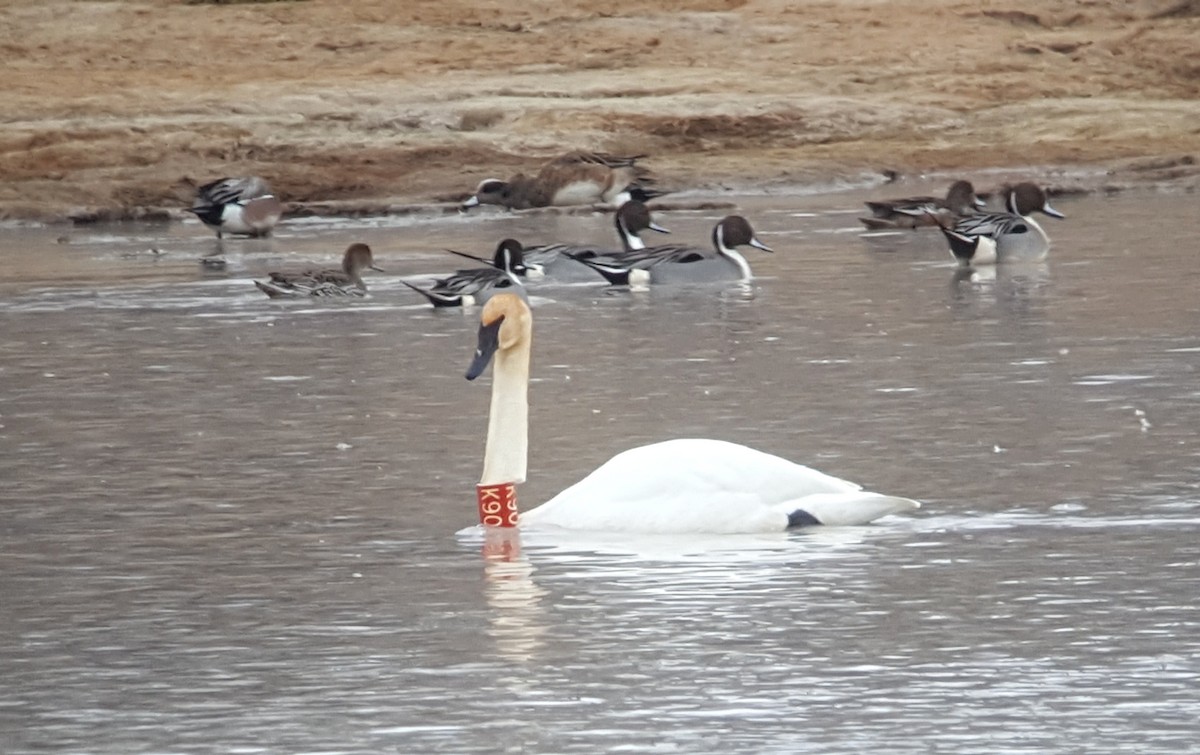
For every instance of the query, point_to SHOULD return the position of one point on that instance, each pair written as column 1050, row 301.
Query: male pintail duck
column 345, row 282
column 467, row 287
column 1012, row 236
column 574, row 178
column 913, row 212
column 680, row 263
column 685, row 485
column 630, row 219
column 243, row 206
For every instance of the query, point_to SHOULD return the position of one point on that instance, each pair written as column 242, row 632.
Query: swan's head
column 504, row 323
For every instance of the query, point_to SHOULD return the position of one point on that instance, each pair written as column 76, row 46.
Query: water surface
column 229, row 523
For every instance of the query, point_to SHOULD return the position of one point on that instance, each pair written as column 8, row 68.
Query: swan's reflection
column 667, row 569
column 551, row 544
column 516, row 622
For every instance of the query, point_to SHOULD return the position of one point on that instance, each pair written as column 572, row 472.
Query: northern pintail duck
column 345, row 282
column 1012, row 236
column 913, row 212
column 571, row 179
column 476, row 286
column 630, row 219
column 680, row 263
column 242, row 206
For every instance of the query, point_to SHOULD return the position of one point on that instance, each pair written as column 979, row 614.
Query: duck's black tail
column 617, row 275
column 436, row 298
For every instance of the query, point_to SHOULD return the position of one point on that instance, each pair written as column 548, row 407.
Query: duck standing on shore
column 571, row 179
column 241, row 206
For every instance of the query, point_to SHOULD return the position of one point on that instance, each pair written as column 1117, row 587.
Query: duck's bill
column 489, row 341
column 1046, row 208
column 656, row 227
column 471, row 202
column 376, row 268
column 760, row 245
column 979, row 203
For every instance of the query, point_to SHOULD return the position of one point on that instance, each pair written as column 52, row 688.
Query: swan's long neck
column 506, row 453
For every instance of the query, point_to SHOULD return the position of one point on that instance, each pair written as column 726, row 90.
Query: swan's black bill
column 489, row 341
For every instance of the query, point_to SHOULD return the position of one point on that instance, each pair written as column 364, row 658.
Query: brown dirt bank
column 113, row 106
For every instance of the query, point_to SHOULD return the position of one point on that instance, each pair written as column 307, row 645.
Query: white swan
column 678, row 486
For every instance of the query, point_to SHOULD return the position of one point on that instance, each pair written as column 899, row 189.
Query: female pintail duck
column 243, row 206
column 1011, row 236
column 631, row 219
column 345, row 282
column 680, row 263
column 913, row 212
column 571, row 179
column 476, row 286
column 678, row 486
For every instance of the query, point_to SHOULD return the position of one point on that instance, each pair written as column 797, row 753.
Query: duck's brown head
column 358, row 257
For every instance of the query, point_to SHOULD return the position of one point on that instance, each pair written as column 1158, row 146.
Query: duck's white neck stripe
column 732, row 255
column 630, row 239
column 1033, row 226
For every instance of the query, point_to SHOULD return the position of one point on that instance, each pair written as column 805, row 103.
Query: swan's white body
column 698, row 485
column 678, row 486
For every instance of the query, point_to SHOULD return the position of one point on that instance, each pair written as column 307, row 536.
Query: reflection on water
column 229, row 522
column 517, row 615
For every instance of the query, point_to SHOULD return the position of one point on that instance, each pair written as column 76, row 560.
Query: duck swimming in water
column 344, row 282
column 468, row 287
column 682, row 263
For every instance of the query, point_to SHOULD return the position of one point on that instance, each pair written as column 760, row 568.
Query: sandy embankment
column 112, row 109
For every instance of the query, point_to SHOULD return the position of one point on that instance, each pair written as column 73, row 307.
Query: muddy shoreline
column 1166, row 173
column 118, row 110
